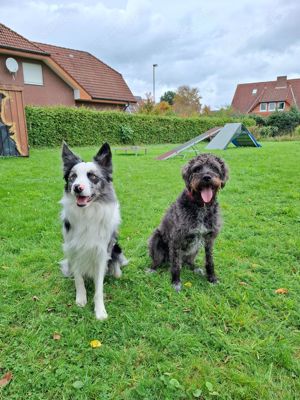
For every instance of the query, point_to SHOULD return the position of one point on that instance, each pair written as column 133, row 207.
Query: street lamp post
column 154, row 66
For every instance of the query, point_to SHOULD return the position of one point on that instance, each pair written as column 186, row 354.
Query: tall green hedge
column 48, row 126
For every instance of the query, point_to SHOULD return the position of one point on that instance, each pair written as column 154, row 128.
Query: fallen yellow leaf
column 95, row 343
column 56, row 336
column 188, row 284
column 281, row 291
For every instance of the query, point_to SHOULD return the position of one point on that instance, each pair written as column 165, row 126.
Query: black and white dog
column 91, row 217
column 193, row 220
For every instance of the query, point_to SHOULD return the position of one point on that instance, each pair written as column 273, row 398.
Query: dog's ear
column 224, row 172
column 69, row 159
column 186, row 173
column 104, row 159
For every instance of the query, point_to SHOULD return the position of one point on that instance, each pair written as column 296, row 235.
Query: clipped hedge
column 48, row 126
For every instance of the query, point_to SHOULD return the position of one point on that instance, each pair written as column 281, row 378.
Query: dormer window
column 263, row 107
column 254, row 91
column 272, row 106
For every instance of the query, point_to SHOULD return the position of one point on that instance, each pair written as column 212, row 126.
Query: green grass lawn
column 235, row 340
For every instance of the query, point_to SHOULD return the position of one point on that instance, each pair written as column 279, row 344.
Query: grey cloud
column 281, row 31
column 212, row 45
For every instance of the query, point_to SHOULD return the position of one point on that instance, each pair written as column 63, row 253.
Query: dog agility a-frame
column 235, row 133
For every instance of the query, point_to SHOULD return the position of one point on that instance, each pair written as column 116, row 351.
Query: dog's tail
column 117, row 261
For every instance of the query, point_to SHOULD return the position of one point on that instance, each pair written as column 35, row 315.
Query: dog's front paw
column 177, row 286
column 117, row 272
column 101, row 314
column 81, row 301
column 212, row 279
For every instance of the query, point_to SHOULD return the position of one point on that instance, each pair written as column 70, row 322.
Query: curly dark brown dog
column 193, row 220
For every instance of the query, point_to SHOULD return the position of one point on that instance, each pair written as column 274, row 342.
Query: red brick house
column 263, row 98
column 52, row 75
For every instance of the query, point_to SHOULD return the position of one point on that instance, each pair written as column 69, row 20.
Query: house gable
column 53, row 91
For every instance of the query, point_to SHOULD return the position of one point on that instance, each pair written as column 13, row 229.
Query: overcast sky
column 212, row 45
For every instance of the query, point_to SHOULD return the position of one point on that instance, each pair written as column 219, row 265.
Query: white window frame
column 281, row 102
column 273, row 108
column 254, row 91
column 33, row 74
column 261, row 108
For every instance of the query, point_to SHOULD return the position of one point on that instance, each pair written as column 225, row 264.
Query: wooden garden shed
column 13, row 131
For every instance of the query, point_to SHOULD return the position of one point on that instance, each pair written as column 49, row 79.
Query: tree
column 226, row 111
column 168, row 97
column 147, row 105
column 187, row 101
column 163, row 108
column 206, row 110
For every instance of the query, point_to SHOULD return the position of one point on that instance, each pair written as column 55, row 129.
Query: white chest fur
column 198, row 239
column 91, row 229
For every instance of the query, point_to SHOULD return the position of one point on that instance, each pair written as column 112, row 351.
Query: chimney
column 281, row 82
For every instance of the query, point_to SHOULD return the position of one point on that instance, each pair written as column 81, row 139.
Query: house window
column 280, row 106
column 272, row 106
column 254, row 91
column 263, row 107
column 33, row 74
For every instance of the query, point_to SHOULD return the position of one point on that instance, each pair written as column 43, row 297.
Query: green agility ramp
column 235, row 133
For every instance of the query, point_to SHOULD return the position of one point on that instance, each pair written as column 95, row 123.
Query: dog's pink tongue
column 82, row 200
column 206, row 194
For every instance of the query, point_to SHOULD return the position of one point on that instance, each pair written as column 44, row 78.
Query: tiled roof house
column 52, row 75
column 263, row 98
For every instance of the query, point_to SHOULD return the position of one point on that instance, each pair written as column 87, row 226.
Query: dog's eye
column 196, row 169
column 72, row 177
column 215, row 169
column 93, row 178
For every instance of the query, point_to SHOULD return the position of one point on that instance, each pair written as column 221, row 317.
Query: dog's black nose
column 78, row 188
column 206, row 178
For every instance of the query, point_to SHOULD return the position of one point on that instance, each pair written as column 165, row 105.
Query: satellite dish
column 11, row 65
